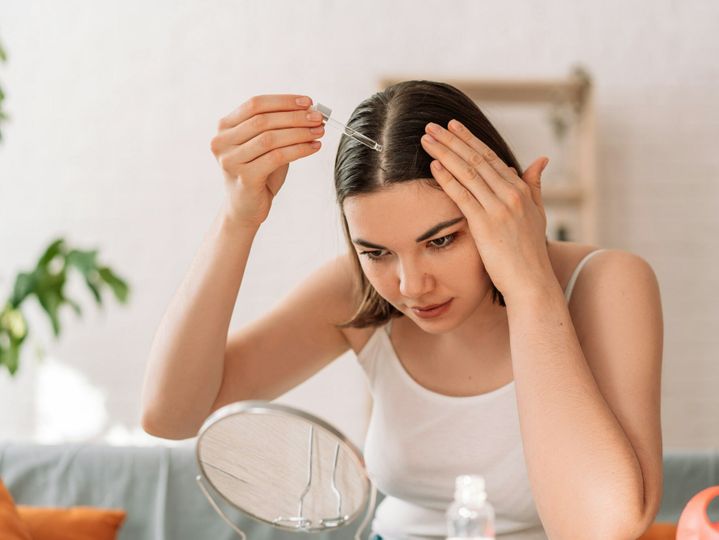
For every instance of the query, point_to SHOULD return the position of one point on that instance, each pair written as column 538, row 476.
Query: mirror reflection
column 282, row 466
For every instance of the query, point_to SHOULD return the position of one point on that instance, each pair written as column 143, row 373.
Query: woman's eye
column 438, row 243
column 442, row 242
column 372, row 255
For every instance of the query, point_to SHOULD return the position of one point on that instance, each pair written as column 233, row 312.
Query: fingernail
column 429, row 139
column 437, row 165
column 432, row 128
column 318, row 129
column 314, row 116
column 303, row 101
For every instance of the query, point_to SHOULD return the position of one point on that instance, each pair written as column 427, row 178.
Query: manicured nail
column 432, row 128
column 314, row 116
column 437, row 165
column 429, row 139
column 455, row 124
column 303, row 101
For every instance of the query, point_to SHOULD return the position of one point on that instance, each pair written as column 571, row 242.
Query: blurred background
column 112, row 106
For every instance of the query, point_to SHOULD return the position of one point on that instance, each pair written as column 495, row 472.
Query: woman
column 485, row 347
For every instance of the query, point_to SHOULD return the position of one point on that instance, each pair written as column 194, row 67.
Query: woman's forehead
column 407, row 194
column 405, row 206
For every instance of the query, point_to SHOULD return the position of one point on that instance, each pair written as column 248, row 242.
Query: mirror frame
column 267, row 407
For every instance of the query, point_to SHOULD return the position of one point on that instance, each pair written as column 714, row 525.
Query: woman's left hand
column 504, row 212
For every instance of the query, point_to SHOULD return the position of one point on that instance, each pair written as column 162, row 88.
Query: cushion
column 660, row 531
column 12, row 526
column 75, row 523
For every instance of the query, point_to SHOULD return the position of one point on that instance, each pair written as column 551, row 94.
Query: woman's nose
column 414, row 282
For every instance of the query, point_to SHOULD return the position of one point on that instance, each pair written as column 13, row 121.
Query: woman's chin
column 439, row 322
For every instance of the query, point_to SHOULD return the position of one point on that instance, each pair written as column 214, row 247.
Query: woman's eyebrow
column 431, row 232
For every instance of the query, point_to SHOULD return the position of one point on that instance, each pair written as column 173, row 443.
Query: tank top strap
column 575, row 274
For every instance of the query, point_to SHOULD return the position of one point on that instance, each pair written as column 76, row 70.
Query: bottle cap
column 324, row 110
column 470, row 488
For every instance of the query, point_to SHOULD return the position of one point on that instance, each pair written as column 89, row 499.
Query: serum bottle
column 470, row 515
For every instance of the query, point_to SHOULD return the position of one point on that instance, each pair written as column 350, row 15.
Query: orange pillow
column 660, row 531
column 76, row 523
column 12, row 526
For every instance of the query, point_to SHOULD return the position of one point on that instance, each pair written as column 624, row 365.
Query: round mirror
column 282, row 466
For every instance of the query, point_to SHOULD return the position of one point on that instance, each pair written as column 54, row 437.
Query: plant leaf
column 24, row 285
column 47, row 282
column 54, row 249
column 49, row 294
column 12, row 358
column 91, row 284
column 118, row 286
column 84, row 261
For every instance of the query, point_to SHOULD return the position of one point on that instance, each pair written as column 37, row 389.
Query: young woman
column 488, row 349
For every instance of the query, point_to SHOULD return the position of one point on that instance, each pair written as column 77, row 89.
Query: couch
column 157, row 487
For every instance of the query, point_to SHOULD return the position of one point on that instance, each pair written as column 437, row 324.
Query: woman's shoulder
column 600, row 270
column 566, row 257
column 358, row 337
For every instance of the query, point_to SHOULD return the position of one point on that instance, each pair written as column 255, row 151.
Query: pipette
column 357, row 136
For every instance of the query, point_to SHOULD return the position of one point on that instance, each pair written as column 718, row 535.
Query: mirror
column 282, row 466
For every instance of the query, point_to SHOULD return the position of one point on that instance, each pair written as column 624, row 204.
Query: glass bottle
column 470, row 515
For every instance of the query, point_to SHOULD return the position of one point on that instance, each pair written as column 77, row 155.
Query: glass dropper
column 326, row 113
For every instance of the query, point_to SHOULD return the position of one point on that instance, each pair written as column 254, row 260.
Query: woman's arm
column 186, row 361
column 254, row 146
column 587, row 386
column 588, row 395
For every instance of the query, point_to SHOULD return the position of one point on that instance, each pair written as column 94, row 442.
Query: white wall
column 113, row 105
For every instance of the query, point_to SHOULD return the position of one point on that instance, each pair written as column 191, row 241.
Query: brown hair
column 396, row 119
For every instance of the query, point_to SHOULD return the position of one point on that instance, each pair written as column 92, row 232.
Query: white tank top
column 418, row 441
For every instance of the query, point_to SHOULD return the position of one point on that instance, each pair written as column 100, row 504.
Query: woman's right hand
column 254, row 146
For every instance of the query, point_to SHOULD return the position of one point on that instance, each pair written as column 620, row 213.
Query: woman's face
column 416, row 250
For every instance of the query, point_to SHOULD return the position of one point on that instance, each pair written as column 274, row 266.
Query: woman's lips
column 431, row 311
column 431, row 306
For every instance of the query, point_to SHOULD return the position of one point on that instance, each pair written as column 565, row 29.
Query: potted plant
column 46, row 283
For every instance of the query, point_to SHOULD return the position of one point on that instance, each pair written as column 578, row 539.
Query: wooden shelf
column 562, row 194
column 518, row 91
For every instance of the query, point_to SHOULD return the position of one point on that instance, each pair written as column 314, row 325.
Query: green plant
column 46, row 282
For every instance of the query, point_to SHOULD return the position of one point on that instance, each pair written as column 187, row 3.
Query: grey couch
column 157, row 488
column 155, row 485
